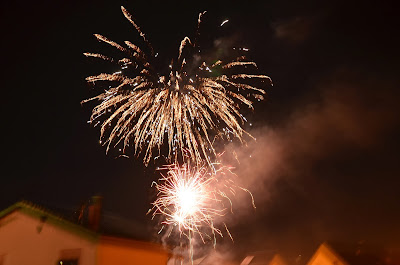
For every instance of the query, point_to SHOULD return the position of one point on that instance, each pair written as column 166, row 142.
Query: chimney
column 94, row 213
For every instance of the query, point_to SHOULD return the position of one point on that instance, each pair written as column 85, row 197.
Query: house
column 30, row 234
column 255, row 258
column 325, row 255
column 359, row 253
column 277, row 260
column 264, row 258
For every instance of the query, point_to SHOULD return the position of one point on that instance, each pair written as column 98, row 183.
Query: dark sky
column 326, row 164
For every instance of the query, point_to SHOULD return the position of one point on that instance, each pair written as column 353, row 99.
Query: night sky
column 325, row 165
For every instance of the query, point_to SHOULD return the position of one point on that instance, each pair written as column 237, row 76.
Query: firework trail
column 190, row 199
column 185, row 110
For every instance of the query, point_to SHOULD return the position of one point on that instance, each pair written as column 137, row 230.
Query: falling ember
column 223, row 22
column 189, row 108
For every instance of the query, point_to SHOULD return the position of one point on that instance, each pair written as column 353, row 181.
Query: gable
column 325, row 255
column 25, row 239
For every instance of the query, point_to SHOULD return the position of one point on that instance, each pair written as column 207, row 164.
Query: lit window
column 69, row 257
column 67, row 262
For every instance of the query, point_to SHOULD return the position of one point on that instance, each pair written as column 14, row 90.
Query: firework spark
column 186, row 109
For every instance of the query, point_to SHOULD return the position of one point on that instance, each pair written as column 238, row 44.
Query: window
column 69, row 257
column 68, row 262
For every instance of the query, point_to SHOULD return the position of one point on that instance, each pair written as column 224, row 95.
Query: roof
column 267, row 257
column 327, row 250
column 359, row 253
column 114, row 225
column 41, row 213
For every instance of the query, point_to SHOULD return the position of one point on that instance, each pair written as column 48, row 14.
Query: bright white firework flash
column 190, row 200
column 186, row 198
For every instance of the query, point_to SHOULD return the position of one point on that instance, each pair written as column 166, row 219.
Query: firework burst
column 187, row 200
column 191, row 199
column 184, row 110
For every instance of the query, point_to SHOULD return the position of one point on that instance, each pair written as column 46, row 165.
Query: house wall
column 115, row 251
column 28, row 240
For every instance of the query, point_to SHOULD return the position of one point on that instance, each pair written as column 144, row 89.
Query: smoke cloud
column 305, row 172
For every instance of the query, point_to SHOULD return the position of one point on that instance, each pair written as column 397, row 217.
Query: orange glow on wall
column 119, row 251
